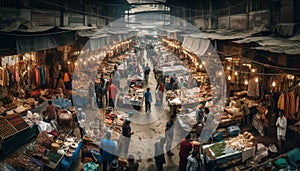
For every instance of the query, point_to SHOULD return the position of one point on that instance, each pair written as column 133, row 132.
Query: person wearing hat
column 126, row 135
column 81, row 118
column 131, row 165
column 108, row 150
column 194, row 162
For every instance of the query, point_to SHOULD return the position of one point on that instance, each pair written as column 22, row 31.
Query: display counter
column 67, row 162
column 11, row 143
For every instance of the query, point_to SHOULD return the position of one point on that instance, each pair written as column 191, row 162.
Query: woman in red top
column 185, row 149
column 112, row 93
column 161, row 90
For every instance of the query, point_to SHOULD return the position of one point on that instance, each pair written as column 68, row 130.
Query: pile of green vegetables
column 218, row 148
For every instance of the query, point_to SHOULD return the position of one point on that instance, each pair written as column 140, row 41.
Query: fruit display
column 17, row 121
column 6, row 128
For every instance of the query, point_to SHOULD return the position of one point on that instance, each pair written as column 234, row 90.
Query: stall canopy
column 35, row 39
column 196, row 43
column 274, row 44
column 98, row 42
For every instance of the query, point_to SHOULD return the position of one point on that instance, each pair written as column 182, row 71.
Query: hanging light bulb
column 200, row 66
column 256, row 79
column 228, row 67
column 293, row 77
column 235, row 73
column 203, row 63
column 220, row 73
column 75, row 63
column 253, row 70
column 246, row 82
column 209, row 53
column 229, row 77
column 69, row 62
column 84, row 63
column 273, row 84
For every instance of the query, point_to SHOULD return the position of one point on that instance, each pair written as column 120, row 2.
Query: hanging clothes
column 37, row 76
column 280, row 103
column 47, row 76
column 286, row 105
column 66, row 77
column 253, row 88
column 292, row 106
column 42, row 74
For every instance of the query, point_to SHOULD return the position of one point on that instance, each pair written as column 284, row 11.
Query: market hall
column 132, row 88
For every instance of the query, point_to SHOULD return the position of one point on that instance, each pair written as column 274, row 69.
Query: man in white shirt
column 281, row 125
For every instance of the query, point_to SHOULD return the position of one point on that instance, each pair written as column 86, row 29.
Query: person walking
column 116, row 77
column 159, row 155
column 146, row 73
column 126, row 136
column 108, row 150
column 161, row 90
column 194, row 162
column 112, row 91
column 81, row 118
column 148, row 100
column 51, row 112
column 92, row 95
column 169, row 134
column 184, row 151
column 281, row 125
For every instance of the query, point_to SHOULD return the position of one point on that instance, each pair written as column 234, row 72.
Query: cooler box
column 234, row 130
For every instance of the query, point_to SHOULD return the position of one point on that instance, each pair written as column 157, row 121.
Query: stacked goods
column 44, row 139
column 24, row 162
column 241, row 142
column 6, row 128
column 17, row 121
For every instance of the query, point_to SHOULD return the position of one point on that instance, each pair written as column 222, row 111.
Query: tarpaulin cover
column 197, row 45
column 29, row 43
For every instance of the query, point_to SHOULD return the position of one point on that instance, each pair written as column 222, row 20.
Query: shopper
column 161, row 90
column 184, row 151
column 51, row 112
column 92, row 95
column 112, row 91
column 148, row 100
column 81, row 118
column 281, row 125
column 126, row 136
column 107, row 150
column 116, row 77
column 169, row 134
column 131, row 165
column 194, row 162
column 181, row 83
column 159, row 154
column 246, row 113
column 199, row 114
column 146, row 73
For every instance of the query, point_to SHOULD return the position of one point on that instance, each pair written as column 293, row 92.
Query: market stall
column 229, row 152
column 14, row 132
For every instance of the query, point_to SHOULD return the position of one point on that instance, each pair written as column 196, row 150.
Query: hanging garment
column 66, row 77
column 47, row 76
column 280, row 103
column 286, row 105
column 297, row 105
column 42, row 73
column 253, row 88
column 37, row 76
column 292, row 106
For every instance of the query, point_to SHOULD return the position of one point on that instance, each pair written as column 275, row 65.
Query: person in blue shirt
column 108, row 150
column 148, row 100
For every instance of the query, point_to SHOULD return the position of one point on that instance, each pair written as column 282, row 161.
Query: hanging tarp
column 97, row 42
column 196, row 44
column 29, row 43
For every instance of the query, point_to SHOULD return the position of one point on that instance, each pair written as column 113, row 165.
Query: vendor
column 51, row 112
column 246, row 113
